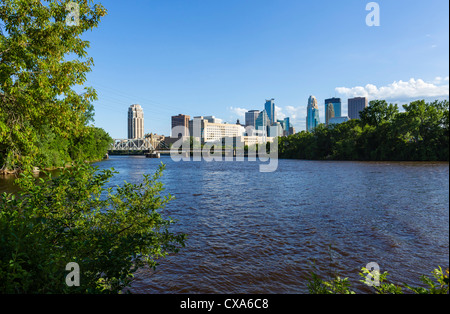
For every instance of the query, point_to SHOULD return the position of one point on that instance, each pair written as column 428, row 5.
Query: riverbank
column 36, row 170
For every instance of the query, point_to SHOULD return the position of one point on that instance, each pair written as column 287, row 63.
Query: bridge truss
column 142, row 144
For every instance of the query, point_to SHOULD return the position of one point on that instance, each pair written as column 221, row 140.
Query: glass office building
column 262, row 122
column 312, row 114
column 250, row 117
column 332, row 108
column 269, row 107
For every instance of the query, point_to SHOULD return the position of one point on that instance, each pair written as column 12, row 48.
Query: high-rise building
column 355, row 106
column 312, row 114
column 262, row 122
column 270, row 110
column 329, row 113
column 250, row 117
column 332, row 108
column 135, row 122
column 183, row 121
column 283, row 124
column 287, row 122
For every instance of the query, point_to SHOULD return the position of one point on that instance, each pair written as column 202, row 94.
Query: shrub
column 108, row 232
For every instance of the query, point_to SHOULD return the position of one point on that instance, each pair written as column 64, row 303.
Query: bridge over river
column 145, row 146
column 154, row 149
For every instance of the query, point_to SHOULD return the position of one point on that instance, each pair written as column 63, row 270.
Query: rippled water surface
column 252, row 232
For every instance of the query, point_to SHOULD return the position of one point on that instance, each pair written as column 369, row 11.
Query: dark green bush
column 108, row 232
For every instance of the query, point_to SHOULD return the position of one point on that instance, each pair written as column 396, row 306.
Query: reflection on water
column 252, row 232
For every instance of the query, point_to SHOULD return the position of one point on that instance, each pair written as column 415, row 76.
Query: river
column 254, row 232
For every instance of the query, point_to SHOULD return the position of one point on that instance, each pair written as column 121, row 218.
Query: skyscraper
column 287, row 122
column 262, row 122
column 355, row 106
column 270, row 110
column 312, row 114
column 250, row 117
column 183, row 121
column 135, row 122
column 332, row 108
column 329, row 113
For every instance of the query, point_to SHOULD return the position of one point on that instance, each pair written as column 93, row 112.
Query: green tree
column 91, row 145
column 421, row 132
column 42, row 60
column 378, row 112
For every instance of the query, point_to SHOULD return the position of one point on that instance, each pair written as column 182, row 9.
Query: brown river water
column 253, row 232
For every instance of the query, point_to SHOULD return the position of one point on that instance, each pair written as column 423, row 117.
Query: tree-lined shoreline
column 419, row 133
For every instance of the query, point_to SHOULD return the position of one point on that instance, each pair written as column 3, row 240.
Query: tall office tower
column 180, row 120
column 287, row 123
column 270, row 110
column 329, row 113
column 355, row 106
column 262, row 122
column 336, row 104
column 312, row 114
column 135, row 122
column 250, row 117
column 283, row 125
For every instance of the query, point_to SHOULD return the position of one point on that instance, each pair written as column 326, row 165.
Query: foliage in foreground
column 109, row 232
column 338, row 285
column 44, row 116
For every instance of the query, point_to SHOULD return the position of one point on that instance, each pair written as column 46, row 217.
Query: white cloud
column 439, row 80
column 239, row 112
column 295, row 112
column 280, row 114
column 413, row 88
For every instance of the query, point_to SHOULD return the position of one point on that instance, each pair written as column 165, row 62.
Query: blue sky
column 222, row 57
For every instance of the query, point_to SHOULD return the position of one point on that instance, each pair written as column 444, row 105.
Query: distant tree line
column 418, row 133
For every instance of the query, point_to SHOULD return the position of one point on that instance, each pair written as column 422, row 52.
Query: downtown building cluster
column 333, row 111
column 260, row 127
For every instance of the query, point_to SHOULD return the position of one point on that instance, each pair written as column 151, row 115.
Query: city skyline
column 177, row 57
